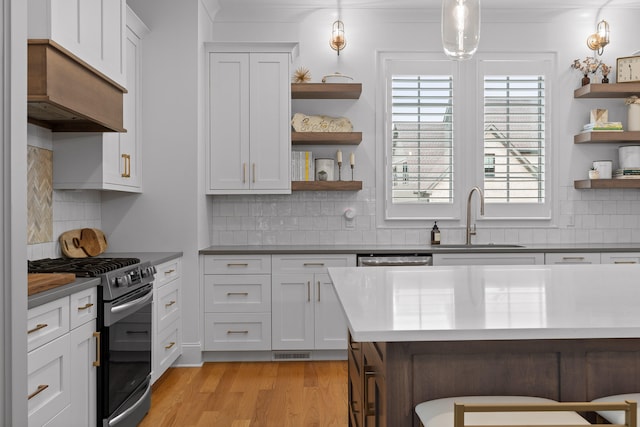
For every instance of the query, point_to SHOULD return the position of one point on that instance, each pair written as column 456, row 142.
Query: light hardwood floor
column 282, row 394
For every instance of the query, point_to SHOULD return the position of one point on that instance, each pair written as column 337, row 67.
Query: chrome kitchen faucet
column 469, row 231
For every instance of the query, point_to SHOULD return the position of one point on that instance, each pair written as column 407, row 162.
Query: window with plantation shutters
column 514, row 138
column 422, row 139
column 448, row 126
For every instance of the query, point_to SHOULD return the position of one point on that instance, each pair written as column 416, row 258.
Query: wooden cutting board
column 40, row 282
column 83, row 243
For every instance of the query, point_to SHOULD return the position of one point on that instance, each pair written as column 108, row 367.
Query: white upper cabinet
column 107, row 161
column 93, row 30
column 248, row 115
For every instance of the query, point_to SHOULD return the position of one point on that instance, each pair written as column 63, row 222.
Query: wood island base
column 388, row 379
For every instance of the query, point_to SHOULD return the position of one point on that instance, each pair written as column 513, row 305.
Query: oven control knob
column 148, row 271
column 119, row 281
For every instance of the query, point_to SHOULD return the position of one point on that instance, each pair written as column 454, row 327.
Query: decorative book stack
column 302, row 166
column 626, row 174
column 603, row 127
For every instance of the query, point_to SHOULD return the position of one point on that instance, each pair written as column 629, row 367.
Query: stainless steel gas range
column 124, row 324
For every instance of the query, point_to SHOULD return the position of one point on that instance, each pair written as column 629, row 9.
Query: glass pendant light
column 460, row 27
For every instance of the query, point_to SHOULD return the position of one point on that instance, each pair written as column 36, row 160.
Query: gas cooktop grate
column 81, row 267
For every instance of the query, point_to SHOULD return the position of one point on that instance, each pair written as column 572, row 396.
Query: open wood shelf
column 588, row 184
column 607, row 90
column 326, row 185
column 326, row 90
column 586, row 137
column 328, row 138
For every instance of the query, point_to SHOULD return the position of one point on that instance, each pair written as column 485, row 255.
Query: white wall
column 13, row 228
column 165, row 217
column 583, row 216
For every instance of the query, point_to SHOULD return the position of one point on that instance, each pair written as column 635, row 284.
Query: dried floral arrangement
column 587, row 65
column 632, row 100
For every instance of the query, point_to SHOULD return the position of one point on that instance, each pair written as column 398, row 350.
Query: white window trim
column 469, row 170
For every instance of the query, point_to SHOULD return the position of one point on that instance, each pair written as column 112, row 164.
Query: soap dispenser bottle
column 435, row 234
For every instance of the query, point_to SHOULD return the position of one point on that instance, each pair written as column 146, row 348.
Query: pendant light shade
column 460, row 27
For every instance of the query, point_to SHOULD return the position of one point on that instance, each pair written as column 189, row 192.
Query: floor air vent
column 305, row 355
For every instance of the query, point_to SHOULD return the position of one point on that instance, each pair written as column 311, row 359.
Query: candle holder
column 351, row 172
column 339, row 171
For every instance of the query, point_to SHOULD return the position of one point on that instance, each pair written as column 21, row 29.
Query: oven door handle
column 129, row 410
column 140, row 301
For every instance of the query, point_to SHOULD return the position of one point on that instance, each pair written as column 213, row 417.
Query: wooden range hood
column 65, row 94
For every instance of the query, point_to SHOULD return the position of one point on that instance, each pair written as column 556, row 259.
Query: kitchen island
column 570, row 333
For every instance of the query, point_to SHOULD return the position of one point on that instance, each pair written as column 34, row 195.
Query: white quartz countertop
column 490, row 302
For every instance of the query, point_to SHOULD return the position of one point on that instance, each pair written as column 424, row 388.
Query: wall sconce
column 598, row 40
column 338, row 42
column 460, row 28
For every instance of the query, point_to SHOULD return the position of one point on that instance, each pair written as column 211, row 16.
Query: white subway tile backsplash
column 586, row 216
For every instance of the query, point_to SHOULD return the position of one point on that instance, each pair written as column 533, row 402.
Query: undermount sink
column 479, row 246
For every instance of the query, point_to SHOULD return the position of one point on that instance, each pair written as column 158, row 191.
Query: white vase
column 633, row 117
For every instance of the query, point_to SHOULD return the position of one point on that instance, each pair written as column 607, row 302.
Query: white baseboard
column 191, row 356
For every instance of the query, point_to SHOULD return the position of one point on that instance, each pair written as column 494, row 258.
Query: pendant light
column 460, row 28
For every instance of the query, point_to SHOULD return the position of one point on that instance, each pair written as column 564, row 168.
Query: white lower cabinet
column 237, row 302
column 620, row 258
column 167, row 319
column 62, row 337
column 306, row 314
column 48, row 380
column 83, row 379
column 489, row 259
column 572, row 258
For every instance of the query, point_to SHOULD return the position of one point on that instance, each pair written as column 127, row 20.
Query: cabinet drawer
column 620, row 258
column 63, row 419
column 237, row 264
column 168, row 271
column 83, row 307
column 48, row 380
column 310, row 264
column 168, row 304
column 47, row 322
column 236, row 293
column 229, row 331
column 169, row 345
column 572, row 258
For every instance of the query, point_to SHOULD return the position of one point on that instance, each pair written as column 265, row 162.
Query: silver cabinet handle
column 254, row 173
column 318, row 290
column 237, row 264
column 244, row 173
column 309, row 291
column 314, row 264
column 573, row 258
column 237, row 332
column 625, row 262
column 242, row 294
